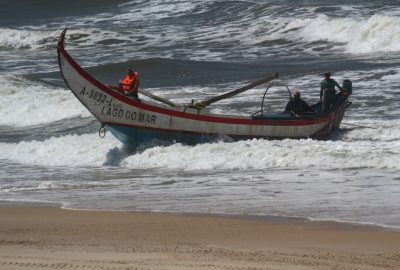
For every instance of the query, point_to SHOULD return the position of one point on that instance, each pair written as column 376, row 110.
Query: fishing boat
column 136, row 121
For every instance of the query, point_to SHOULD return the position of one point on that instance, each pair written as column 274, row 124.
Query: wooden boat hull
column 137, row 121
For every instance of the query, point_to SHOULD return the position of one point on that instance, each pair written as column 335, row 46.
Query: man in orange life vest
column 130, row 84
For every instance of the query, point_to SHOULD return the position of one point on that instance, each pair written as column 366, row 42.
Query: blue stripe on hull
column 138, row 136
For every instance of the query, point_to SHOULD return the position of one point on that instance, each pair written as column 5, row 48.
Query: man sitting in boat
column 328, row 93
column 297, row 106
column 130, row 84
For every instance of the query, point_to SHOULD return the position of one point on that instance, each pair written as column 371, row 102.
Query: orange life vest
column 128, row 82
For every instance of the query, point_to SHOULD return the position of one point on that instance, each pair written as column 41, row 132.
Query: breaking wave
column 378, row 33
column 26, row 39
column 261, row 154
column 254, row 25
column 26, row 103
column 89, row 150
column 42, row 39
column 42, row 186
column 70, row 150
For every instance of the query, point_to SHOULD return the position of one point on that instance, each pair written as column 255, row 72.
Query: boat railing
column 280, row 84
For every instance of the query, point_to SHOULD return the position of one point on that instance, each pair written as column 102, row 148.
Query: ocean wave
column 26, row 39
column 383, row 131
column 211, row 31
column 26, row 103
column 313, row 33
column 71, row 150
column 45, row 185
column 218, row 30
column 256, row 25
column 377, row 33
column 89, row 150
column 35, row 38
column 261, row 154
column 158, row 9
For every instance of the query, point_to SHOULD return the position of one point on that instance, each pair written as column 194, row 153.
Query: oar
column 205, row 103
column 160, row 99
column 150, row 95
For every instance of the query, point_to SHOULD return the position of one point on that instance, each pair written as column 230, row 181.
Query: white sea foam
column 378, row 33
column 37, row 37
column 71, row 150
column 359, row 35
column 383, row 131
column 16, row 38
column 261, row 154
column 41, row 186
column 158, row 9
column 355, row 35
column 46, row 185
column 246, row 35
column 90, row 150
column 26, row 103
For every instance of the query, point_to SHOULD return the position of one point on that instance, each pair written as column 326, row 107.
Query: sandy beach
column 52, row 238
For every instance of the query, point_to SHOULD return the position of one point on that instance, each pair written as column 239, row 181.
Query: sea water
column 50, row 150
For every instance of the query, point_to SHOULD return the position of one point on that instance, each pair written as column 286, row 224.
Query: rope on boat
column 102, row 131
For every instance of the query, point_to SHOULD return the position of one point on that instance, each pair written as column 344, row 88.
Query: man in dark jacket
column 297, row 106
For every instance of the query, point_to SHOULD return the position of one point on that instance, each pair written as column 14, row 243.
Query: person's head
column 296, row 94
column 132, row 73
column 327, row 75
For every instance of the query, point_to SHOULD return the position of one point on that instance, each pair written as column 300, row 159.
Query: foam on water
column 261, row 154
column 238, row 31
column 378, row 33
column 45, row 185
column 355, row 35
column 72, row 150
column 158, row 9
column 26, row 103
column 16, row 38
column 362, row 150
column 38, row 38
column 388, row 131
column 359, row 35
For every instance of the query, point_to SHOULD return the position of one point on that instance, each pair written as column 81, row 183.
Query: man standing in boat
column 327, row 94
column 130, row 84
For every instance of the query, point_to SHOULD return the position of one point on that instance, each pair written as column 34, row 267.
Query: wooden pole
column 160, row 99
column 205, row 103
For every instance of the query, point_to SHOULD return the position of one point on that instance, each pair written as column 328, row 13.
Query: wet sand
column 52, row 238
